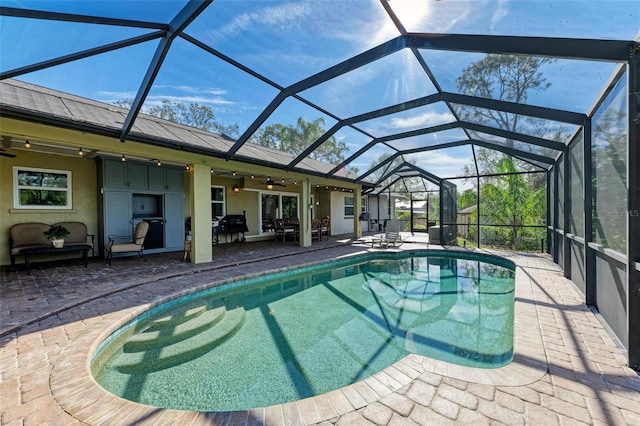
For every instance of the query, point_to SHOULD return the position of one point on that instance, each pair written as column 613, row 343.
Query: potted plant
column 56, row 234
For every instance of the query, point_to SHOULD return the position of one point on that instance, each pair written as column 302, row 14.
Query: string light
column 27, row 144
column 159, row 163
column 80, row 152
column 123, row 159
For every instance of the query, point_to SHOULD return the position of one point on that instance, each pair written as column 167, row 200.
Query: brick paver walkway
column 567, row 369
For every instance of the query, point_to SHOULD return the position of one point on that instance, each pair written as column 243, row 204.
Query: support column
column 566, row 224
column 589, row 257
column 357, row 208
column 633, row 216
column 201, row 241
column 306, row 209
column 556, row 252
column 549, row 207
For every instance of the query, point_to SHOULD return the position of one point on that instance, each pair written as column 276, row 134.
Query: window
column 41, row 188
column 217, row 202
column 348, row 206
column 278, row 206
column 363, row 206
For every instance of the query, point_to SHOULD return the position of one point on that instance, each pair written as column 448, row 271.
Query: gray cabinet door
column 117, row 215
column 173, row 221
column 137, row 176
column 115, row 174
column 175, row 180
column 157, row 178
column 118, row 174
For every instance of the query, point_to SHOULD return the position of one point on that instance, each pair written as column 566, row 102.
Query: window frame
column 223, row 202
column 349, row 206
column 17, row 188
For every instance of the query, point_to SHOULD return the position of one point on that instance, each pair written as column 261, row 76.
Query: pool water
column 274, row 340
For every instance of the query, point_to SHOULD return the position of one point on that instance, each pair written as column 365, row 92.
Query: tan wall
column 84, row 201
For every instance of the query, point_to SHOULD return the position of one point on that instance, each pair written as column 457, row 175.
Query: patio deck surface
column 566, row 369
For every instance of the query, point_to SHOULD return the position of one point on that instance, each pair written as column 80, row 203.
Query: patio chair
column 137, row 245
column 324, row 228
column 315, row 229
column 284, row 229
column 386, row 239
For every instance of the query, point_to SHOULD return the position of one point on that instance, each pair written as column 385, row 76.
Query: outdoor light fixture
column 233, row 173
column 252, row 176
column 188, row 167
column 159, row 163
column 269, row 183
column 211, row 171
column 27, row 144
column 80, row 152
column 123, row 159
column 236, row 188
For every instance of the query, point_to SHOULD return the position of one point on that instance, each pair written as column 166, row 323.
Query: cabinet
column 166, row 179
column 117, row 215
column 174, row 221
column 132, row 192
column 119, row 174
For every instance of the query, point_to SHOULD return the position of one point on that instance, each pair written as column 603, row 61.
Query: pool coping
column 77, row 393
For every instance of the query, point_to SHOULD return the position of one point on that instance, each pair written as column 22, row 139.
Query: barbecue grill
column 230, row 225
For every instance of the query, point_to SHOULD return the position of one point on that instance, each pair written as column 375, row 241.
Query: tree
column 295, row 139
column 511, row 201
column 467, row 199
column 509, row 78
column 194, row 114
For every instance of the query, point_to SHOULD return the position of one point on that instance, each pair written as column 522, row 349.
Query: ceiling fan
column 4, row 153
column 271, row 183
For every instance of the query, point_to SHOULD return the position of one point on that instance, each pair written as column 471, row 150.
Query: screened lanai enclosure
column 509, row 125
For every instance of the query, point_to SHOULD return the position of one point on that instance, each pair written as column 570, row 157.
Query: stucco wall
column 84, row 197
column 339, row 223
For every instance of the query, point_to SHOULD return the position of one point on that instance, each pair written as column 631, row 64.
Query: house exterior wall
column 84, row 197
column 340, row 224
column 86, row 187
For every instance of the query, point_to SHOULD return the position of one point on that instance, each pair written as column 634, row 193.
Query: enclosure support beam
column 549, row 207
column 633, row 216
column 556, row 252
column 566, row 242
column 589, row 257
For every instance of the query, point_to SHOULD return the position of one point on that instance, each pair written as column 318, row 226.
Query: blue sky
column 287, row 41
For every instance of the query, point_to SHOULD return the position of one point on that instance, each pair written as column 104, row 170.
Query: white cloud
column 216, row 100
column 501, row 11
column 428, row 118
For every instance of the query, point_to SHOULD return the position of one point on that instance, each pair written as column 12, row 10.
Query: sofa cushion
column 77, row 232
column 29, row 234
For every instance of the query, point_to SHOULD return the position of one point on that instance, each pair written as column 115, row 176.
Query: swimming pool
column 296, row 334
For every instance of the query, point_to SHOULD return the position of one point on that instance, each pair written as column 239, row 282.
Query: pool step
column 176, row 316
column 171, row 334
column 164, row 356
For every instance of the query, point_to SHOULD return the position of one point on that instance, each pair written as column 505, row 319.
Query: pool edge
column 71, row 374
